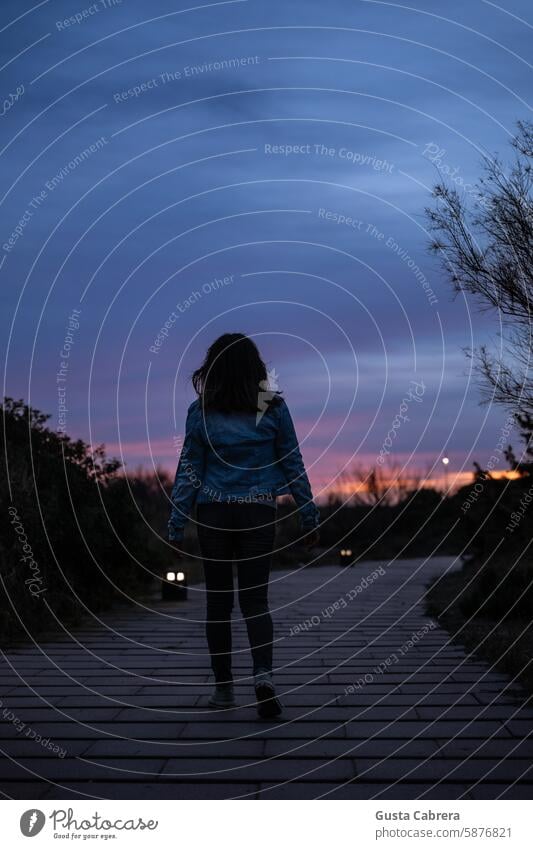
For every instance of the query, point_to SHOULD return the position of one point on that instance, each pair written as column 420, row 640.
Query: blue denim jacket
column 239, row 457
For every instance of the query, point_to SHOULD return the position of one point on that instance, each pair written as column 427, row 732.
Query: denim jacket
column 239, row 457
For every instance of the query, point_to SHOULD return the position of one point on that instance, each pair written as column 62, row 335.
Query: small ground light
column 174, row 585
column 345, row 556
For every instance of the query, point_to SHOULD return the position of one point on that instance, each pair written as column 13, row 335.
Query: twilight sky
column 173, row 171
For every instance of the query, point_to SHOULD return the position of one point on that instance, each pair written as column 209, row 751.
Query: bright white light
column 445, row 460
column 180, row 576
column 349, row 552
column 171, row 576
column 343, row 552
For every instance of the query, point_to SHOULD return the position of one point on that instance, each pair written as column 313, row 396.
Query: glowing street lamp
column 445, row 463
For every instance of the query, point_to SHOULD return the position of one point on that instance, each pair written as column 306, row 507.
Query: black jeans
column 244, row 533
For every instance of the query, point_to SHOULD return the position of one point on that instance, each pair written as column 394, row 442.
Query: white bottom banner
column 235, row 824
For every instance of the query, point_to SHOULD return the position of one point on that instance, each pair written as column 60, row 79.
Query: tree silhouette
column 487, row 251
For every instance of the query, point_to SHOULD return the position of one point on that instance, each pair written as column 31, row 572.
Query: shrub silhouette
column 86, row 542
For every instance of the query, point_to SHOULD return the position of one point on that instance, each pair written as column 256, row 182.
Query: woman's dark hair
column 232, row 378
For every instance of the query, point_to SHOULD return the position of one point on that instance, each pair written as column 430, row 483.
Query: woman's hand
column 311, row 539
column 176, row 547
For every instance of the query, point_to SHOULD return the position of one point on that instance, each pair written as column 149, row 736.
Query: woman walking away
column 240, row 451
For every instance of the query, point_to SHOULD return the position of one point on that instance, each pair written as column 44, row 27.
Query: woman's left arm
column 292, row 464
column 189, row 475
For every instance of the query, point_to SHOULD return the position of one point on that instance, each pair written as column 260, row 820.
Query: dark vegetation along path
column 379, row 703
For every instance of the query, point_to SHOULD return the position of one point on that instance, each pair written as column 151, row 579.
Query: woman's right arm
column 189, row 475
column 292, row 465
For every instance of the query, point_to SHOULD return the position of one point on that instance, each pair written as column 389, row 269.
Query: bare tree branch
column 487, row 251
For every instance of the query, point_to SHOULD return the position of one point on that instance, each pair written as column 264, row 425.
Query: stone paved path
column 124, row 703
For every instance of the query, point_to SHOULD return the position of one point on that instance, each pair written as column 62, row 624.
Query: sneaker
column 268, row 704
column 222, row 697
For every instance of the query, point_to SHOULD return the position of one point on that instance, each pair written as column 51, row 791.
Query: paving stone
column 25, row 789
column 76, row 769
column 157, row 790
column 436, row 768
column 357, row 790
column 177, row 749
column 520, row 790
column 274, row 769
column 342, row 748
